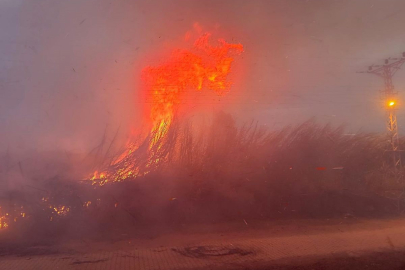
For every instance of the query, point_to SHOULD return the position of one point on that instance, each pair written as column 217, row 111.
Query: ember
column 8, row 217
column 60, row 210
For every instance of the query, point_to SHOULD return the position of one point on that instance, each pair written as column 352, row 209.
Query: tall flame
column 203, row 66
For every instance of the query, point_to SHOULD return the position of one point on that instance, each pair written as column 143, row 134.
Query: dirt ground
column 347, row 243
column 389, row 260
column 226, row 232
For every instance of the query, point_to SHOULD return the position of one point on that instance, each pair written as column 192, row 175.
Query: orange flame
column 203, row 66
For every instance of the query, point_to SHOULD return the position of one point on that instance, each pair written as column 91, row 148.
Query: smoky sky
column 69, row 70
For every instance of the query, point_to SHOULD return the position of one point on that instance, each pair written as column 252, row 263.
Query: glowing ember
column 17, row 213
column 7, row 218
column 3, row 220
column 87, row 204
column 60, row 210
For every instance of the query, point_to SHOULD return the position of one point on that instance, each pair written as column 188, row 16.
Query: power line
column 387, row 71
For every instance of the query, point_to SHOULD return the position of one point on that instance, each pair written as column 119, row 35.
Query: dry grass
column 222, row 172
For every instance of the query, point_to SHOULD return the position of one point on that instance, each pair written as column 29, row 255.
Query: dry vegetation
column 220, row 172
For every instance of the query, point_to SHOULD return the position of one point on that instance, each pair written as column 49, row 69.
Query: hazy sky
column 70, row 68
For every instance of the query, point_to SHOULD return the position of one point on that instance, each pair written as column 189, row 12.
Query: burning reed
column 220, row 172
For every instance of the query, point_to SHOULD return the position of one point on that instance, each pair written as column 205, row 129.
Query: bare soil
column 391, row 260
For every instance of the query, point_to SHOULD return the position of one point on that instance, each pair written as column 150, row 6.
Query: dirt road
column 249, row 245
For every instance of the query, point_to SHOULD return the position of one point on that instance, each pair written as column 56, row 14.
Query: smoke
column 71, row 96
column 70, row 70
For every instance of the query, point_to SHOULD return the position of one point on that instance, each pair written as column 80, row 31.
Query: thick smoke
column 70, row 69
column 71, row 96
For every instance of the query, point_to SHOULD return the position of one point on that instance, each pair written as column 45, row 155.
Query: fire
column 7, row 218
column 87, row 204
column 60, row 210
column 4, row 221
column 98, row 175
column 202, row 66
column 17, row 213
column 205, row 65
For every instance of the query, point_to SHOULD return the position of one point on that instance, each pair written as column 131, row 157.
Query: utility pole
column 387, row 71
